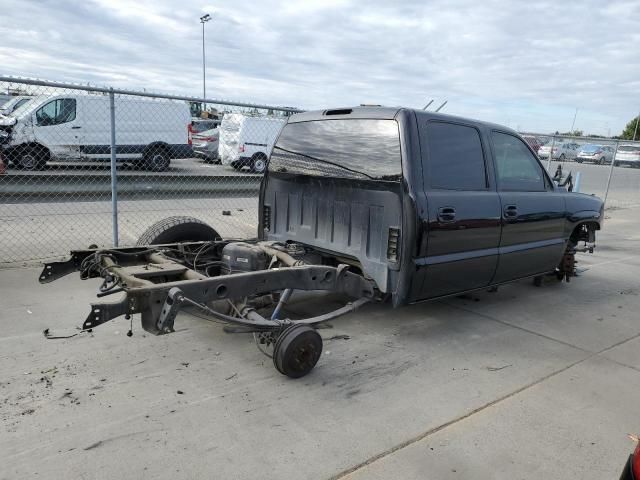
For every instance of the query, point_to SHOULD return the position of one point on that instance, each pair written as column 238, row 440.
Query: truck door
column 533, row 213
column 462, row 224
column 56, row 127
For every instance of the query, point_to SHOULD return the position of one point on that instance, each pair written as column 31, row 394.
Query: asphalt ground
column 523, row 383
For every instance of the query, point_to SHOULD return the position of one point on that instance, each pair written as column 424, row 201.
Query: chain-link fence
column 88, row 165
column 604, row 167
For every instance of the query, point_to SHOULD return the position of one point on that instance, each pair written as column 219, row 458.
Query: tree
column 630, row 130
column 575, row 133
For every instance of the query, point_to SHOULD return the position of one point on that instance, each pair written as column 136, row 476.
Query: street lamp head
column 205, row 18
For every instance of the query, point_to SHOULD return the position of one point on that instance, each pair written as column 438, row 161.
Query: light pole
column 574, row 121
column 204, row 19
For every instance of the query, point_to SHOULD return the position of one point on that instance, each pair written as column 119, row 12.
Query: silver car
column 599, row 154
column 628, row 155
column 205, row 145
column 561, row 151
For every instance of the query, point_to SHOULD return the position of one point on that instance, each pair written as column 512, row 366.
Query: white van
column 247, row 141
column 149, row 132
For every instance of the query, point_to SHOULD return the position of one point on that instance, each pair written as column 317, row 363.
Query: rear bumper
column 587, row 159
column 207, row 154
column 629, row 162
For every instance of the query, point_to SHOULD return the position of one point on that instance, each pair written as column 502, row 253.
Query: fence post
column 613, row 163
column 114, row 176
column 553, row 142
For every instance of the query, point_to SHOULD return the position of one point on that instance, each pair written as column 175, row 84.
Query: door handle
column 510, row 212
column 75, row 127
column 446, row 214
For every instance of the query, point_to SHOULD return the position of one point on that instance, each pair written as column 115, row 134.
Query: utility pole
column 574, row 120
column 204, row 19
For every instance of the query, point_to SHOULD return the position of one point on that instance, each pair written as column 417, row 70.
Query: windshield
column 629, row 148
column 361, row 148
column 591, row 148
column 29, row 106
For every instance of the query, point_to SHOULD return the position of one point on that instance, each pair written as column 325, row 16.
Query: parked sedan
column 599, row 154
column 561, row 151
column 628, row 155
column 205, row 145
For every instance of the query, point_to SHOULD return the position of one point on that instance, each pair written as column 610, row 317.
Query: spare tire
column 177, row 229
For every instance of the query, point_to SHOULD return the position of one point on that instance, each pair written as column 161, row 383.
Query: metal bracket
column 170, row 309
column 103, row 312
column 55, row 270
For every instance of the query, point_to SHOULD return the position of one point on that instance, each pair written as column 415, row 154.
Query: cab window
column 58, row 111
column 454, row 159
column 517, row 168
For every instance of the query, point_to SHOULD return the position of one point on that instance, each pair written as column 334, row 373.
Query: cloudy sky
column 525, row 64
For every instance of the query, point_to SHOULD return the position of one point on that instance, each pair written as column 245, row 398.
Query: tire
column 297, row 350
column 602, row 161
column 177, row 229
column 579, row 160
column 561, row 157
column 258, row 163
column 157, row 160
column 31, row 158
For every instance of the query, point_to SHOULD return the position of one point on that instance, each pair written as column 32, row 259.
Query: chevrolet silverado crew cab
column 378, row 204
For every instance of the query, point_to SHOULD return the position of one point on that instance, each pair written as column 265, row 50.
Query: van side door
column 56, row 127
column 533, row 211
column 462, row 225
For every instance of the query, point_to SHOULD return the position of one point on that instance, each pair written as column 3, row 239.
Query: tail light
column 190, row 133
column 266, row 218
column 392, row 244
column 241, row 148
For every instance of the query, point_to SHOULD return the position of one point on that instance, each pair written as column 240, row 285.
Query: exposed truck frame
column 158, row 282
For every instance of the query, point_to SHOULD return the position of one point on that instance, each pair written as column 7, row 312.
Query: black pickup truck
column 375, row 203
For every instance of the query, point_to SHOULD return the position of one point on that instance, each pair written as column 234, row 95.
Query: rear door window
column 454, row 158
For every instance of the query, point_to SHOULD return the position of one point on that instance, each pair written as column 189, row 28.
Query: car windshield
column 361, row 148
column 629, row 148
column 591, row 148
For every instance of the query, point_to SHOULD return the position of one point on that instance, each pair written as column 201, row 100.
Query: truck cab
column 424, row 204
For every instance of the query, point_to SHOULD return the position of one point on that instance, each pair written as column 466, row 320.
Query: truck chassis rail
column 157, row 282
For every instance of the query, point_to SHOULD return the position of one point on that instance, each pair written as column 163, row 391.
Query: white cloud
column 519, row 63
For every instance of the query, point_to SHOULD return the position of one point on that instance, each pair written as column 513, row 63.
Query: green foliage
column 627, row 133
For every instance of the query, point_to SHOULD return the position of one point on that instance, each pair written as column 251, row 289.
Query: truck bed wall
column 349, row 218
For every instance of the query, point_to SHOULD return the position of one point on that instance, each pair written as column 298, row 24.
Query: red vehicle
column 632, row 468
column 534, row 142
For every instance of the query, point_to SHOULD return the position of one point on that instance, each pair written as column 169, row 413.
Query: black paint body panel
column 439, row 254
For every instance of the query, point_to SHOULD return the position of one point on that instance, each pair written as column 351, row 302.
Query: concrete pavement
column 523, row 383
